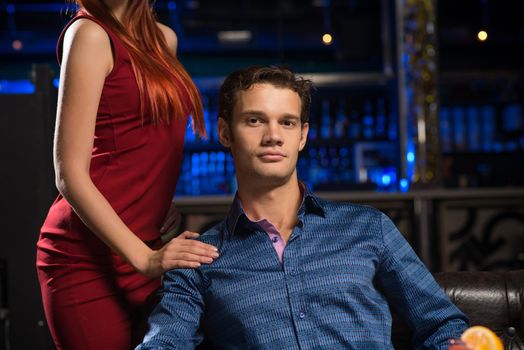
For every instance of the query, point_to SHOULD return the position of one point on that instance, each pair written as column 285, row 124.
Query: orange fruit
column 481, row 338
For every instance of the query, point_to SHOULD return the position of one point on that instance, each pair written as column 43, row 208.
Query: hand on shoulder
column 182, row 252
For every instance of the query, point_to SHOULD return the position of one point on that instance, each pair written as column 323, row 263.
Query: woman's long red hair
column 165, row 86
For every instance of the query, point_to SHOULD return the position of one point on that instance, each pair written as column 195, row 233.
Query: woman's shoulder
column 86, row 31
column 169, row 35
column 86, row 42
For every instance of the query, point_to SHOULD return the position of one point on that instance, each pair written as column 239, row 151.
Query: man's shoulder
column 336, row 209
column 213, row 233
column 213, row 236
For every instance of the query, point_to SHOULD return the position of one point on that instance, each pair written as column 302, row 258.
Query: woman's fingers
column 185, row 252
column 188, row 235
column 187, row 239
column 185, row 260
column 192, row 247
column 186, row 256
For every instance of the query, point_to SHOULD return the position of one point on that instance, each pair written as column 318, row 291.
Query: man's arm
column 175, row 321
column 413, row 292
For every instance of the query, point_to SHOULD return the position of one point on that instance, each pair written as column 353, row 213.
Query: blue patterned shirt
column 343, row 267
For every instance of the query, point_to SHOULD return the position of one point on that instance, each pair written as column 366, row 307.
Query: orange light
column 482, row 35
column 327, row 39
column 17, row 45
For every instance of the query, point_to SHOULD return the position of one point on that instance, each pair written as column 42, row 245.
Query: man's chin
column 271, row 179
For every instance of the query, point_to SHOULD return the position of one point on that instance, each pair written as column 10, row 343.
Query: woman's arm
column 87, row 60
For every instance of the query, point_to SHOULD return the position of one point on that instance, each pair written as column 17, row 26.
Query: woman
column 123, row 105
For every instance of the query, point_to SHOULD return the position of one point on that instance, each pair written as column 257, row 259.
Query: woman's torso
column 135, row 164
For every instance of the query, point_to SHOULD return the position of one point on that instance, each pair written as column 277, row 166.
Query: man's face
column 265, row 135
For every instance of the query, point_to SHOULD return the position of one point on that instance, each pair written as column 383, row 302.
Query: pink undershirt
column 274, row 235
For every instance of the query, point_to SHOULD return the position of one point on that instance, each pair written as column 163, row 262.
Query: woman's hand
column 180, row 252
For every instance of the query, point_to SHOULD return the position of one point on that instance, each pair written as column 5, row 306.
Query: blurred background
column 417, row 111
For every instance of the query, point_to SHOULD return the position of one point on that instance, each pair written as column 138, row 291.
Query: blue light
column 204, row 157
column 56, row 82
column 386, row 180
column 195, row 164
column 10, row 9
column 404, row 185
column 16, row 87
column 171, row 5
column 410, row 157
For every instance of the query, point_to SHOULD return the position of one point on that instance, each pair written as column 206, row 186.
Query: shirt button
column 274, row 239
column 293, row 272
column 302, row 315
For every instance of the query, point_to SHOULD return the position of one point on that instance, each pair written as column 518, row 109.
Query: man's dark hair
column 244, row 79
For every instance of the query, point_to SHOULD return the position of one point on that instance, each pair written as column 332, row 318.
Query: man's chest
column 315, row 277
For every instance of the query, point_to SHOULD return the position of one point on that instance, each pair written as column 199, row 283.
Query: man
column 294, row 271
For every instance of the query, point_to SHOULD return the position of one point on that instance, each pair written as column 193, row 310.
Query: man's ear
column 303, row 135
column 224, row 133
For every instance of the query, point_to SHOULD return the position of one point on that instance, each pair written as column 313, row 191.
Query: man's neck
column 276, row 204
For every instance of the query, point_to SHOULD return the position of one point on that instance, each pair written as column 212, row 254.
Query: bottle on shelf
column 512, row 126
column 313, row 125
column 368, row 120
column 488, row 117
column 392, row 126
column 341, row 120
column 346, row 173
column 459, row 128
column 473, row 129
column 354, row 130
column 446, row 138
column 325, row 120
column 380, row 125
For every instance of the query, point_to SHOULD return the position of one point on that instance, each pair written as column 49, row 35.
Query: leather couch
column 491, row 299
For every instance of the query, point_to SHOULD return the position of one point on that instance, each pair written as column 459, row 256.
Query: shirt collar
column 310, row 205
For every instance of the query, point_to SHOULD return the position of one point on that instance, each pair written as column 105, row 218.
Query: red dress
column 90, row 295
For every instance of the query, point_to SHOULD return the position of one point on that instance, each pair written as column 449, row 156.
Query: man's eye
column 289, row 123
column 252, row 121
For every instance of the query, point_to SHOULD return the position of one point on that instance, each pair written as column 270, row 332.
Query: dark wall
column 28, row 189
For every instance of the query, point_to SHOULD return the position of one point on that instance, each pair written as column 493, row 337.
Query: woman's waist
column 64, row 226
column 53, row 252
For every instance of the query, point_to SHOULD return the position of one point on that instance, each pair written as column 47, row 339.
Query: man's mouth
column 271, row 156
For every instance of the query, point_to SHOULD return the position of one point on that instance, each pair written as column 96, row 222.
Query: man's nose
column 273, row 134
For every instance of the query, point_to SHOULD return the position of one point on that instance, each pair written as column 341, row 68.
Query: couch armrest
column 491, row 299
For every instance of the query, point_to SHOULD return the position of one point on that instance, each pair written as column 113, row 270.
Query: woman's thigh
column 94, row 307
